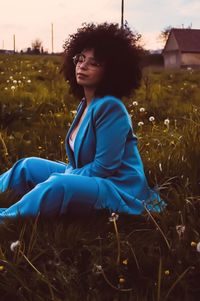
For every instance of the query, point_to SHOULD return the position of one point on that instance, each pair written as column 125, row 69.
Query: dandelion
column 198, row 247
column 140, row 123
column 166, row 122
column 1, row 268
column 15, row 245
column 151, row 119
column 135, row 103
column 97, row 269
column 193, row 244
column 180, row 229
column 142, row 110
column 114, row 217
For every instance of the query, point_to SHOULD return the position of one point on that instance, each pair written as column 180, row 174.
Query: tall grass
column 149, row 257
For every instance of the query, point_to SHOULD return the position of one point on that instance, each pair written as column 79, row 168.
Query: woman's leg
column 28, row 172
column 55, row 196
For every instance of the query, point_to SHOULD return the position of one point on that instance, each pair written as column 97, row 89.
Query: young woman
column 105, row 169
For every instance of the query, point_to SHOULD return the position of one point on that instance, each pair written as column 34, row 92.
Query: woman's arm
column 112, row 125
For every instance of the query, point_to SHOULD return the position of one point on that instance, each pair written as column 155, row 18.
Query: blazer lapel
column 69, row 152
column 80, row 136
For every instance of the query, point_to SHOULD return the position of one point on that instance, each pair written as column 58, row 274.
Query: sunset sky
column 32, row 19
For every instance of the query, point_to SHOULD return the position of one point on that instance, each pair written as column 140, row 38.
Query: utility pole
column 14, row 43
column 52, row 39
column 122, row 14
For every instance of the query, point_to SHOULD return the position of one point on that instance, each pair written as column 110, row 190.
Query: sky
column 32, row 19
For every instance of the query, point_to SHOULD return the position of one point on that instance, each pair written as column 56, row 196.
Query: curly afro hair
column 114, row 46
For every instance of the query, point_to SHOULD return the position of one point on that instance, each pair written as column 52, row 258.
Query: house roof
column 188, row 39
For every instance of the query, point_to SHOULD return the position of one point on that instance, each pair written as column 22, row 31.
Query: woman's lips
column 81, row 75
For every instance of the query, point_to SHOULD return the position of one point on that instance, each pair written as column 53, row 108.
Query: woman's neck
column 89, row 95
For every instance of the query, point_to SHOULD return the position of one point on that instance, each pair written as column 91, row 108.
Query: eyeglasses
column 91, row 63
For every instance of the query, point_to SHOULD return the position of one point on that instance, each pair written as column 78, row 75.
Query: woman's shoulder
column 109, row 102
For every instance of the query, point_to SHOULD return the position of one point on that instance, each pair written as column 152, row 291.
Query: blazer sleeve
column 112, row 124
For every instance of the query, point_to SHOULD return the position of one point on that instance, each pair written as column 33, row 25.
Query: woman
column 105, row 169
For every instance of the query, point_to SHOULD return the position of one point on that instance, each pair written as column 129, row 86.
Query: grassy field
column 153, row 257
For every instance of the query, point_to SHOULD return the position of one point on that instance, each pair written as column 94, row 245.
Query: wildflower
column 151, row 119
column 73, row 112
column 7, row 81
column 2, row 72
column 167, row 272
column 19, row 81
column 125, row 261
column 166, row 122
column 11, row 77
column 12, row 88
column 142, row 110
column 6, row 88
column 39, row 71
column 24, row 77
column 140, row 123
column 135, row 103
column 193, row 244
column 198, row 247
column 28, row 81
column 122, row 280
column 1, row 268
column 113, row 217
column 15, row 245
column 39, row 147
column 180, row 229
column 14, row 81
column 97, row 269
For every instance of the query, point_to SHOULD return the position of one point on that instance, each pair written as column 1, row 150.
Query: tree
column 37, row 46
column 165, row 34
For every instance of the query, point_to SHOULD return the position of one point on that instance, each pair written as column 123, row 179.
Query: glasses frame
column 90, row 63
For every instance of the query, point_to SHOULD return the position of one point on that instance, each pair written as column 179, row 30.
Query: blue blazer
column 106, row 149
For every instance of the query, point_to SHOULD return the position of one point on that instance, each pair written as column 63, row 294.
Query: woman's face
column 89, row 72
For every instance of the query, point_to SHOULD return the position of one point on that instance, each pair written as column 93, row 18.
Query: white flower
column 14, row 81
column 140, row 123
column 142, row 110
column 135, row 103
column 24, row 77
column 39, row 71
column 166, row 121
column 113, row 217
column 151, row 118
column 28, row 81
column 180, row 229
column 12, row 88
column 14, row 245
column 198, row 247
column 19, row 81
column 6, row 88
column 7, row 81
column 11, row 77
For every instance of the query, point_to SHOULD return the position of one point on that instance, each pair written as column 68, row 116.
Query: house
column 182, row 48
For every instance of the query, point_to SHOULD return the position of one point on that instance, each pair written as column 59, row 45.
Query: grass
column 152, row 257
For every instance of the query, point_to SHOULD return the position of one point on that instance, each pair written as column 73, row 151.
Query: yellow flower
column 122, row 280
column 167, row 272
column 193, row 244
column 125, row 261
column 1, row 268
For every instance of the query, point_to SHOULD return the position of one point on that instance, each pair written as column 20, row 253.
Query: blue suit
column 104, row 171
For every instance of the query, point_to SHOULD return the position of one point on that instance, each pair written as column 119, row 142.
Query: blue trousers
column 46, row 189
